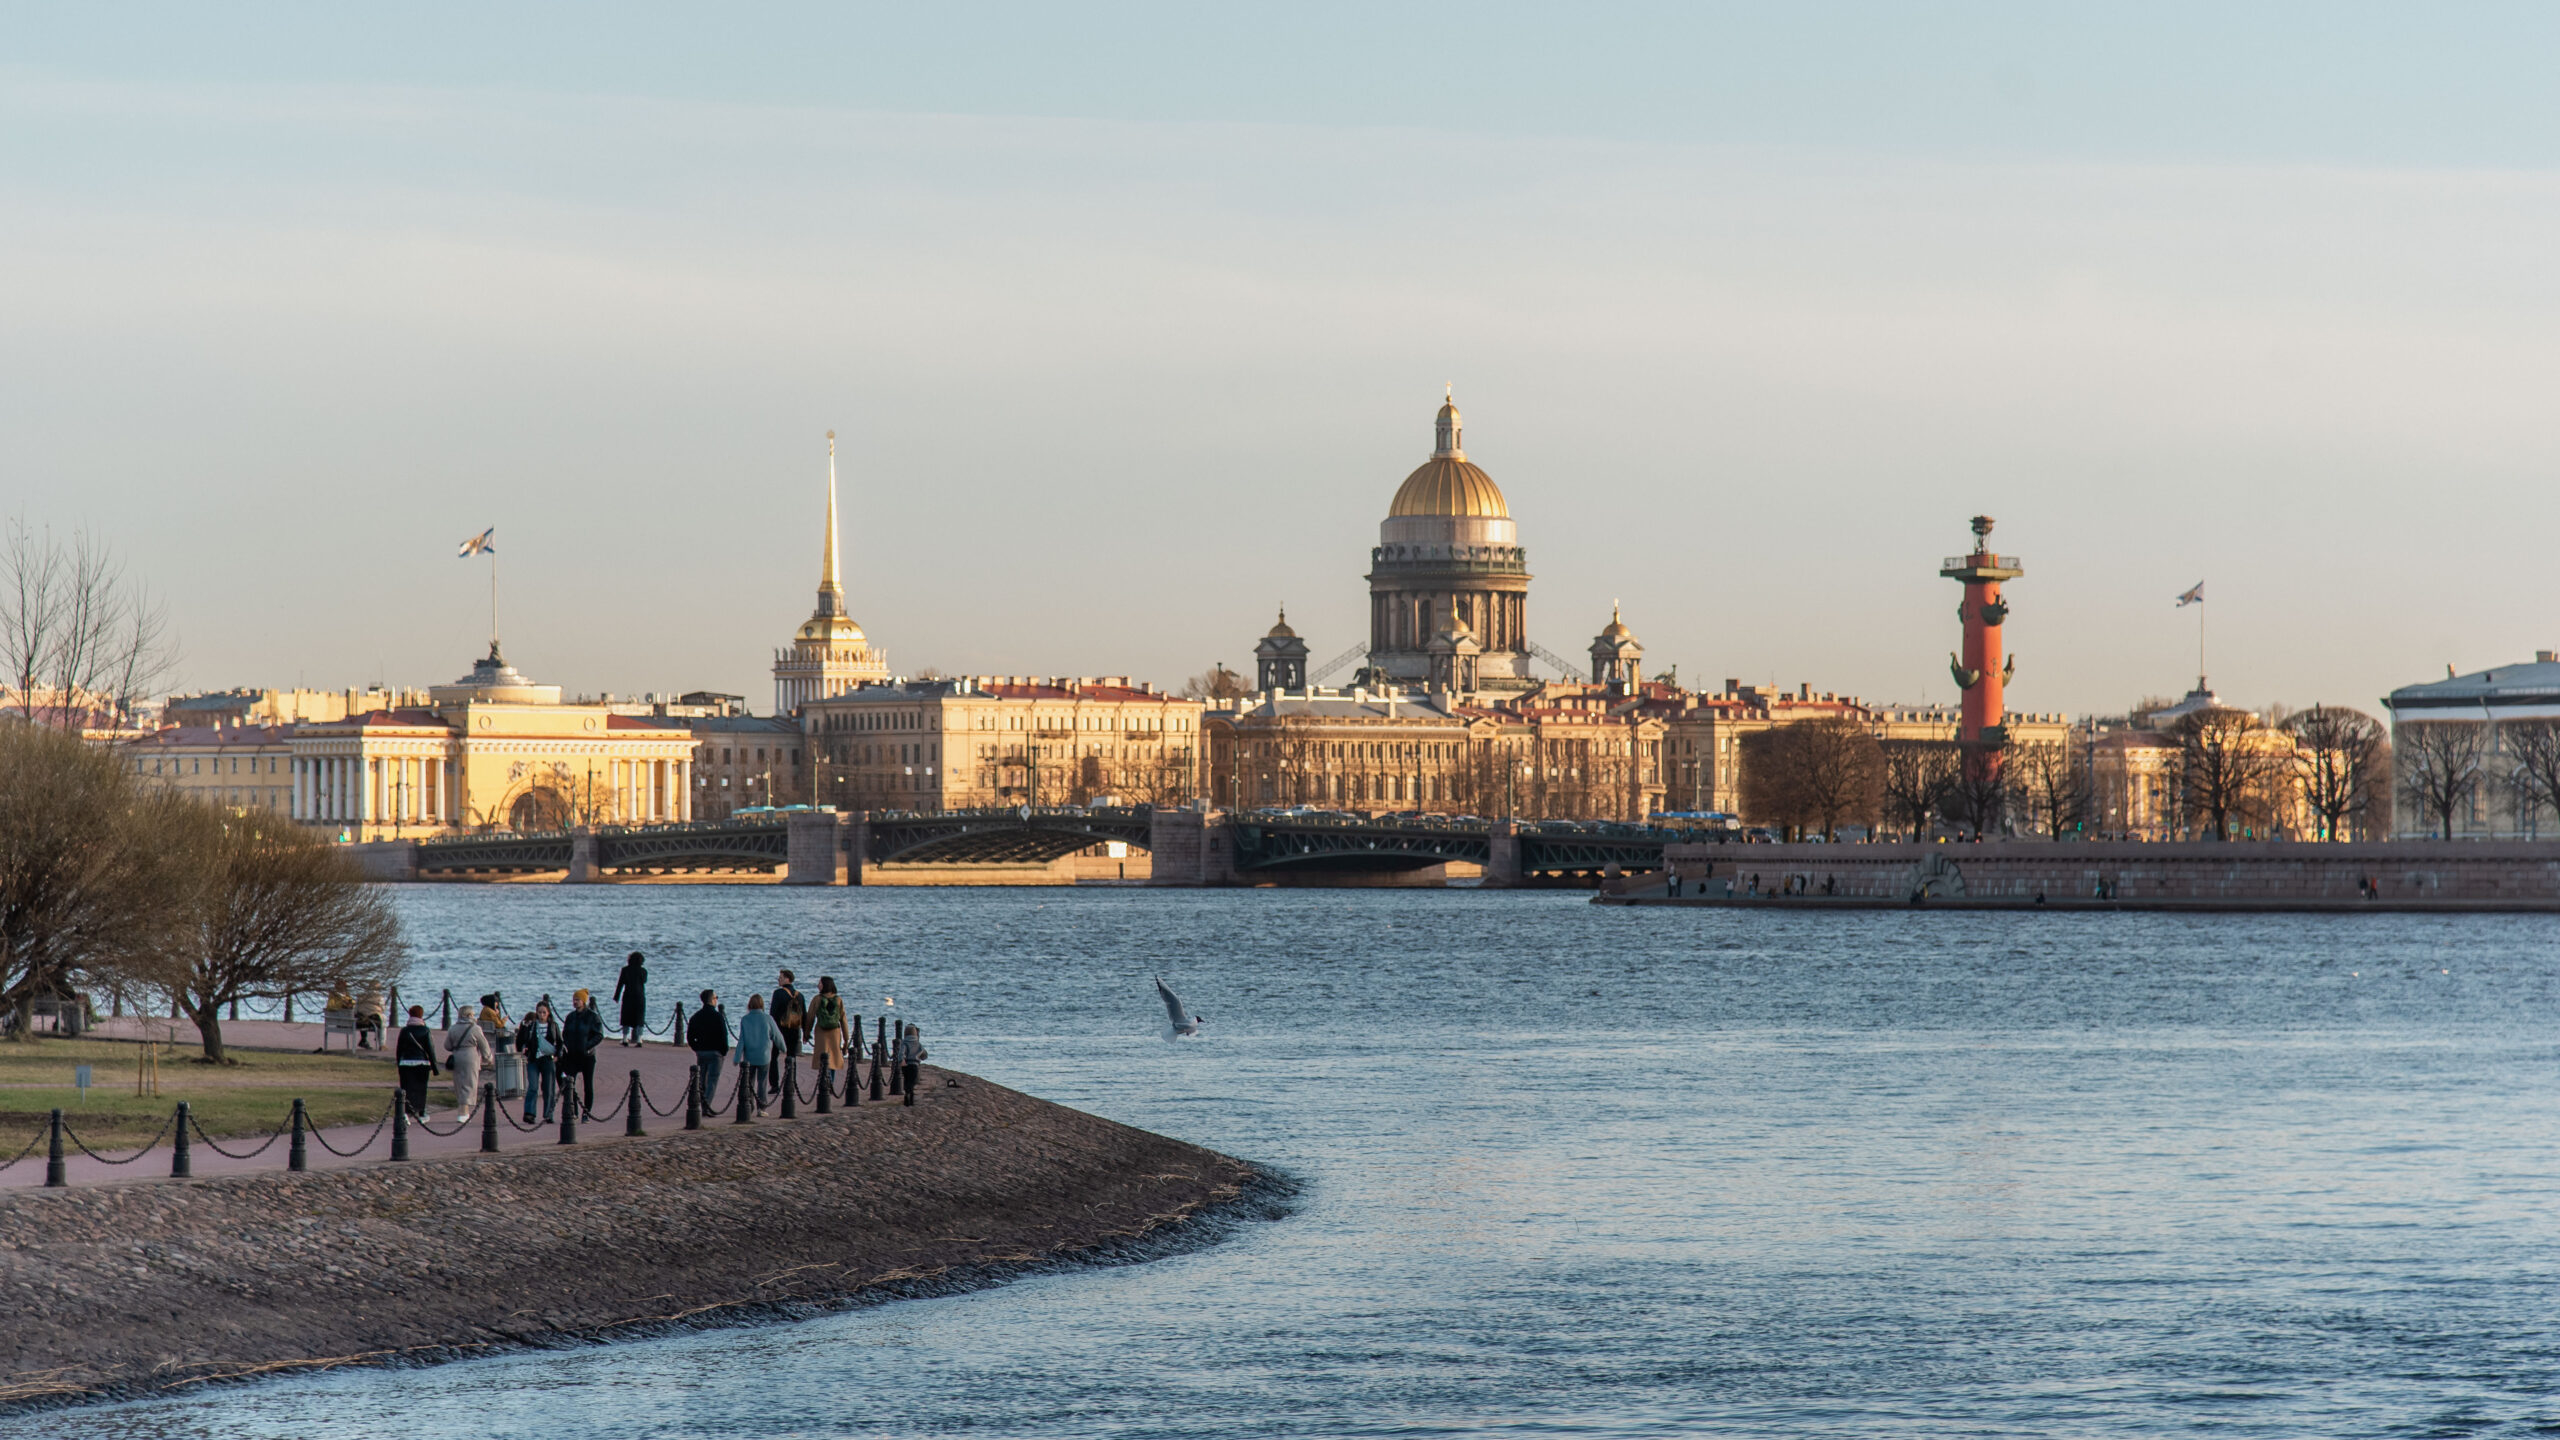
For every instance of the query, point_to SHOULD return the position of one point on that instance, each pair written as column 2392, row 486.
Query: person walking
column 369, row 1021
column 910, row 1054
column 790, row 1012
column 708, row 1034
column 759, row 1042
column 538, row 1041
column 631, row 987
column 467, row 1047
column 417, row 1061
column 826, row 1029
column 581, row 1036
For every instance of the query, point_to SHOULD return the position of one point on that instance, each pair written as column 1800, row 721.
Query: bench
column 334, row 1021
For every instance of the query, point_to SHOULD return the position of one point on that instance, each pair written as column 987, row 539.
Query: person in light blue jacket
column 759, row 1039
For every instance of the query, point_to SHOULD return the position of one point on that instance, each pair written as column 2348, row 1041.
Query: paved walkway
column 663, row 1069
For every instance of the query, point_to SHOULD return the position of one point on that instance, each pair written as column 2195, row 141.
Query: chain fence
column 147, row 1146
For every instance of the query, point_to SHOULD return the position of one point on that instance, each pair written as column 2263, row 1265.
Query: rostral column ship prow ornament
column 1981, row 672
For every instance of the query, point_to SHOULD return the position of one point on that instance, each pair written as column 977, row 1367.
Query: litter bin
column 510, row 1076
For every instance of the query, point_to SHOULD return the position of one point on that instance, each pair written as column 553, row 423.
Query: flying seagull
column 1178, row 1017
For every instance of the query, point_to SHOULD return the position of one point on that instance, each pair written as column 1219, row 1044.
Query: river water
column 1606, row 1172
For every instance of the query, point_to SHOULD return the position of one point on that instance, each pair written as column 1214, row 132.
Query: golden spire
column 830, row 581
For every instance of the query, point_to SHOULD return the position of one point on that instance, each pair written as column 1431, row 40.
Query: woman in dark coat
column 632, row 989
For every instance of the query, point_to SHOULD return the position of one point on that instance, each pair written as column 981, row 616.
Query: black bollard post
column 826, row 1085
column 299, row 1156
column 448, row 1009
column 790, row 1087
column 488, row 1119
column 879, row 1048
column 631, row 1108
column 693, row 1099
column 53, row 1176
column 675, row 1027
column 897, row 1042
column 569, row 1121
column 400, row 1126
column 182, row 1161
column 746, row 1097
column 853, row 1064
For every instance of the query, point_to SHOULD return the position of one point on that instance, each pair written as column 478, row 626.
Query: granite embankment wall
column 2409, row 874
column 130, row 1288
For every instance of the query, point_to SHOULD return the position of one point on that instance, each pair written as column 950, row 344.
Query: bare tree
column 2050, row 783
column 2439, row 762
column 275, row 912
column 1917, row 776
column 75, row 635
column 1215, row 683
column 2341, row 759
column 2228, row 764
column 1812, row 776
column 85, row 880
column 2533, row 757
column 1977, row 798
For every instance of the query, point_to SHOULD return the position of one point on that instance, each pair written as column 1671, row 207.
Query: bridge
column 741, row 843
column 1188, row 847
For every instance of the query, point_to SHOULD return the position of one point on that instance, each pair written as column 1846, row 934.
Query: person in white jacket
column 467, row 1047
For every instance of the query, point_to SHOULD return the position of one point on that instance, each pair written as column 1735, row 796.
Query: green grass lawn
column 247, row 1098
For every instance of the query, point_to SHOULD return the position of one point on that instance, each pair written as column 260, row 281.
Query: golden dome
column 831, row 630
column 1447, row 485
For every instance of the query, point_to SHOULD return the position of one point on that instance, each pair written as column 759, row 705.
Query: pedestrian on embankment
column 708, row 1033
column 417, row 1061
column 910, row 1054
column 538, row 1041
column 759, row 1042
column 467, row 1048
column 790, row 1012
column 369, row 1012
column 827, row 1027
column 631, row 987
column 581, row 1036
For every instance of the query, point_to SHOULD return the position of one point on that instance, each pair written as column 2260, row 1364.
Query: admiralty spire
column 830, row 655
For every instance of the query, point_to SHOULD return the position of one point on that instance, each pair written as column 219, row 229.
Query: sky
column 1131, row 318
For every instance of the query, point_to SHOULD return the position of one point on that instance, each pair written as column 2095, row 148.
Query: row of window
column 194, row 764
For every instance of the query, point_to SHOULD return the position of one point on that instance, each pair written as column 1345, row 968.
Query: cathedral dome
column 1449, row 486
column 1448, row 483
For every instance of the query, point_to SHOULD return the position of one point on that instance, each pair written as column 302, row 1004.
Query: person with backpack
column 827, row 1029
column 581, row 1036
column 708, row 1033
column 790, row 1014
column 538, row 1041
column 417, row 1061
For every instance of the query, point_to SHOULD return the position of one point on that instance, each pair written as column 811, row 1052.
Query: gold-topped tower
column 830, row 654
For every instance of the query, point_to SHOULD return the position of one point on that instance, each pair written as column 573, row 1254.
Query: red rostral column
column 1982, row 672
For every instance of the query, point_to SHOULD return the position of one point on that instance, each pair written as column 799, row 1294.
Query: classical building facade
column 2477, row 708
column 235, row 767
column 830, row 654
column 746, row 761
column 493, row 750
column 1448, row 574
column 984, row 740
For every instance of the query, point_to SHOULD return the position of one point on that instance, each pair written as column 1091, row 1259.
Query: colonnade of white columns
column 414, row 789
column 423, row 789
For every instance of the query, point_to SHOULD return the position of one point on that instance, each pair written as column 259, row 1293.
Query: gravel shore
column 125, row 1289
